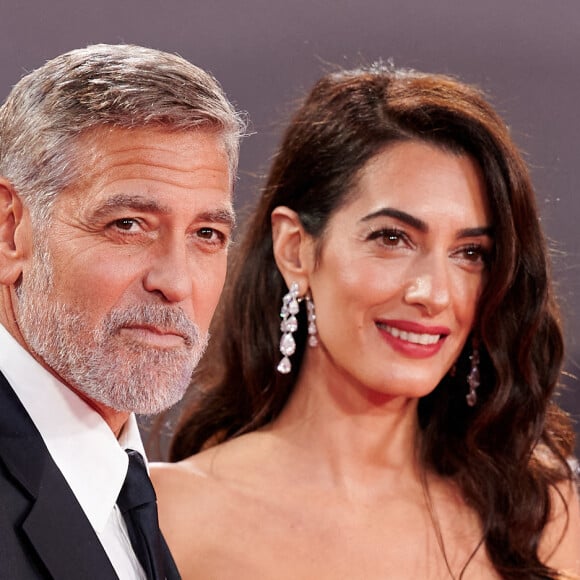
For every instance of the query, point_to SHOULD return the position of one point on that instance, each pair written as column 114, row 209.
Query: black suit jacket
column 44, row 533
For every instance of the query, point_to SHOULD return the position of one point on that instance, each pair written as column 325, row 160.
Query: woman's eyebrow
column 402, row 216
column 475, row 232
column 422, row 226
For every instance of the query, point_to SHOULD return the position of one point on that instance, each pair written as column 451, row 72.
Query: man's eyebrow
column 125, row 201
column 224, row 215
column 422, row 226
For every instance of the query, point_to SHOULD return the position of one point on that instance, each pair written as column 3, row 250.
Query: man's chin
column 143, row 404
column 144, row 387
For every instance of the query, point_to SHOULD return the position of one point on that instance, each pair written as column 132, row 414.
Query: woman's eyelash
column 476, row 251
column 394, row 237
column 385, row 233
column 389, row 235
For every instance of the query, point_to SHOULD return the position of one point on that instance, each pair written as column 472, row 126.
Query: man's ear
column 293, row 247
column 14, row 234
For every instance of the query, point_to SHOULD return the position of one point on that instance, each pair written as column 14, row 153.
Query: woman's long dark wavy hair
column 506, row 453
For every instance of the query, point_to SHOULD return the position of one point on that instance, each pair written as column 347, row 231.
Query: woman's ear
column 15, row 234
column 293, row 247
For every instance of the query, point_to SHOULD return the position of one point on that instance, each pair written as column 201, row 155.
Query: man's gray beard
column 101, row 363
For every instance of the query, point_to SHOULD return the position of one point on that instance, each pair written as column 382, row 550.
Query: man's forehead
column 102, row 146
column 191, row 160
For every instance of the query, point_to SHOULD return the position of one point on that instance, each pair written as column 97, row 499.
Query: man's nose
column 170, row 273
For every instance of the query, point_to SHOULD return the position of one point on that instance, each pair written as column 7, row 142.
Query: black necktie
column 138, row 505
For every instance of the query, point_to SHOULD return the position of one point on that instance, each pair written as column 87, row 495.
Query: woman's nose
column 429, row 289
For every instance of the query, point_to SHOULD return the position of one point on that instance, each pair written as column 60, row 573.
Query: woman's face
column 401, row 269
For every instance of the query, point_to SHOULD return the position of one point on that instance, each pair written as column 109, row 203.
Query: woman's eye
column 390, row 237
column 474, row 253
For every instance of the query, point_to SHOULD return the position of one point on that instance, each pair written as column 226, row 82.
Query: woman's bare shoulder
column 193, row 495
column 192, row 499
column 186, row 485
column 212, row 463
column 183, row 490
column 561, row 540
column 174, row 481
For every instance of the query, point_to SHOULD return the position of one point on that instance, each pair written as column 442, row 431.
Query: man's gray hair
column 122, row 86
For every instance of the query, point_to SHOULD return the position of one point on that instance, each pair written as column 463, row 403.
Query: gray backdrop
column 266, row 53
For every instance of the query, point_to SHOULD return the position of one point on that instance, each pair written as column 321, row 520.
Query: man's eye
column 211, row 235
column 125, row 223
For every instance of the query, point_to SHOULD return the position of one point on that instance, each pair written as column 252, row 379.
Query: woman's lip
column 412, row 339
column 416, row 327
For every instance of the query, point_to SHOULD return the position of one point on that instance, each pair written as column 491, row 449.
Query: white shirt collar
column 79, row 440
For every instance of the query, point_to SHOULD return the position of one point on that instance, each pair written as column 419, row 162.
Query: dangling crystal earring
column 311, row 314
column 289, row 324
column 473, row 376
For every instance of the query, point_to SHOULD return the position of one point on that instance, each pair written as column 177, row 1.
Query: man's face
column 118, row 296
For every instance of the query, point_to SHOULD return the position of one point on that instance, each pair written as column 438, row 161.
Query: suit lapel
column 56, row 525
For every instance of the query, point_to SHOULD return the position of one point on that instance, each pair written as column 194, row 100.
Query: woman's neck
column 352, row 436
